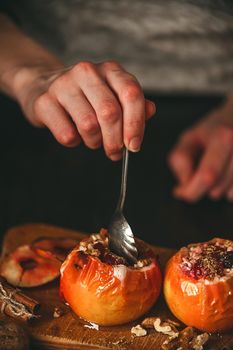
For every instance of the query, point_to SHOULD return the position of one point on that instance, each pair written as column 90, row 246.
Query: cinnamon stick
column 16, row 304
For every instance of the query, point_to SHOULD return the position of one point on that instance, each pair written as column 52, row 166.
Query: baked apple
column 25, row 268
column 198, row 285
column 101, row 287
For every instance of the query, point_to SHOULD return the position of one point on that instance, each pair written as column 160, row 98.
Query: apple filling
column 97, row 245
column 209, row 260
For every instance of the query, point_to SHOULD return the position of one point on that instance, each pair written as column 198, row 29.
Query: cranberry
column 196, row 271
column 227, row 260
column 113, row 259
column 100, row 247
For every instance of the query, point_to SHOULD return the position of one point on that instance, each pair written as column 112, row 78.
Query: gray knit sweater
column 178, row 46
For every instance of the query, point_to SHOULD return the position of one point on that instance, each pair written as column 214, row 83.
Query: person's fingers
column 52, row 115
column 150, row 109
column 230, row 193
column 132, row 101
column 106, row 106
column 224, row 184
column 210, row 168
column 83, row 115
column 183, row 156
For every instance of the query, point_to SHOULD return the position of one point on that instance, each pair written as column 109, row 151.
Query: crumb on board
column 138, row 331
column 118, row 342
column 92, row 325
column 57, row 312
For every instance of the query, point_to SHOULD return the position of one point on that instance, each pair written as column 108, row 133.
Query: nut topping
column 138, row 331
column 208, row 260
column 97, row 246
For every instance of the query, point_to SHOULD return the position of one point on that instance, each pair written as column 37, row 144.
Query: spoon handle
column 124, row 174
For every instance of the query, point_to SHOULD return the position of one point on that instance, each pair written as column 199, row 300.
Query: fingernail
column 135, row 144
column 115, row 156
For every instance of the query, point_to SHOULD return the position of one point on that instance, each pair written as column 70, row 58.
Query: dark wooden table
column 41, row 181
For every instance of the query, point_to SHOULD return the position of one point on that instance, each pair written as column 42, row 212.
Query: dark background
column 42, row 181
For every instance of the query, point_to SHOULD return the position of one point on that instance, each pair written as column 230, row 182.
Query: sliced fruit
column 58, row 247
column 25, row 268
column 100, row 287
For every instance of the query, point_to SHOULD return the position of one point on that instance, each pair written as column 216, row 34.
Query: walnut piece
column 188, row 339
column 173, row 323
column 185, row 336
column 198, row 342
column 165, row 328
column 148, row 322
column 138, row 331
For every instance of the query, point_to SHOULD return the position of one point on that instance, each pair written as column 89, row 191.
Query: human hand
column 99, row 104
column 202, row 159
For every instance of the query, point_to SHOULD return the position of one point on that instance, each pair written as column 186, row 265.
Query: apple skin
column 208, row 307
column 105, row 294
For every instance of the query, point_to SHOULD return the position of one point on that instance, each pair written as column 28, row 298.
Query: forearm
column 21, row 58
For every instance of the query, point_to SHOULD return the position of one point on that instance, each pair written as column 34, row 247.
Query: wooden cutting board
column 68, row 331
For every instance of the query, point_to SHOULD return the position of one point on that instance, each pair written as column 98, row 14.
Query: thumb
column 150, row 109
column 183, row 157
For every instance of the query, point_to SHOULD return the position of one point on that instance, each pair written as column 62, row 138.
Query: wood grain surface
column 68, row 331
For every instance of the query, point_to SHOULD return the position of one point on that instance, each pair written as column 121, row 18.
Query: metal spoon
column 121, row 238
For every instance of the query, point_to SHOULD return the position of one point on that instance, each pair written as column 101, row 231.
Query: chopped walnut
column 96, row 237
column 198, row 342
column 82, row 248
column 90, row 246
column 171, row 338
column 187, row 340
column 165, row 328
column 148, row 322
column 173, row 323
column 95, row 252
column 138, row 331
column 58, row 312
column 188, row 333
column 185, row 336
column 142, row 263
